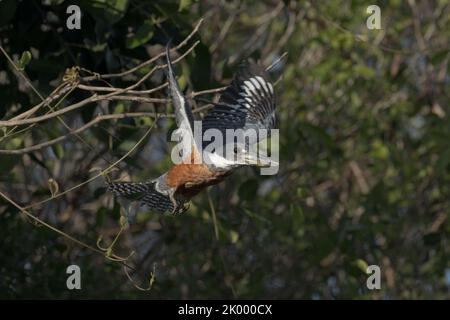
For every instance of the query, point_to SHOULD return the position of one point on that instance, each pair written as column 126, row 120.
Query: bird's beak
column 259, row 160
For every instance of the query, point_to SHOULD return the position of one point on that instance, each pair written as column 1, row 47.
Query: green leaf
column 184, row 4
column 234, row 236
column 380, row 150
column 143, row 34
column 24, row 59
column 361, row 264
column 58, row 150
column 109, row 11
column 364, row 71
column 258, row 217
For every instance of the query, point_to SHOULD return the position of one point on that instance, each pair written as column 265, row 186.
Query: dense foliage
column 364, row 150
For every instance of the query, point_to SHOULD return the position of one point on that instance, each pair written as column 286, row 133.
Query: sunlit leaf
column 184, row 4
column 234, row 236
column 24, row 59
column 361, row 264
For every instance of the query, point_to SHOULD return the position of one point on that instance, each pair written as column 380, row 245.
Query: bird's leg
column 174, row 202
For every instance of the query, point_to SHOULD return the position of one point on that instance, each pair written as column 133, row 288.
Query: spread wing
column 183, row 110
column 247, row 103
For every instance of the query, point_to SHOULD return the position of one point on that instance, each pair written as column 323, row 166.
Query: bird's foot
column 174, row 203
column 178, row 208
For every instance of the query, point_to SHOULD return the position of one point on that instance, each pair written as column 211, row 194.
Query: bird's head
column 241, row 157
column 254, row 159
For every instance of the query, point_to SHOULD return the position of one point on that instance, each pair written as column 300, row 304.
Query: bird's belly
column 190, row 179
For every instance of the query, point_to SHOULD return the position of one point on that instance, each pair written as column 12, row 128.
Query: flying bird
column 247, row 103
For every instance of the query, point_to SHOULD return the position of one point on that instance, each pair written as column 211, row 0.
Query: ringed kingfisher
column 247, row 103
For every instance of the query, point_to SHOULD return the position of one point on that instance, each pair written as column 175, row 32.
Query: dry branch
column 83, row 128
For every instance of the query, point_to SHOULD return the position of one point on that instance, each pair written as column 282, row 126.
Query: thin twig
column 216, row 234
column 214, row 217
column 83, row 128
column 102, row 173
column 95, row 97
column 62, row 233
column 55, row 94
column 146, row 63
column 112, row 89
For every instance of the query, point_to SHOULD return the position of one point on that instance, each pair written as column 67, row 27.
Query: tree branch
column 85, row 127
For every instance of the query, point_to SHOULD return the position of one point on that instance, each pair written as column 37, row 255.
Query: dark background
column 364, row 151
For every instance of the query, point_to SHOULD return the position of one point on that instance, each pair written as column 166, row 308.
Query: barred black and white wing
column 182, row 109
column 247, row 103
column 147, row 194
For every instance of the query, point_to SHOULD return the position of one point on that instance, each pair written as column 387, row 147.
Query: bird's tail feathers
column 131, row 190
column 146, row 193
